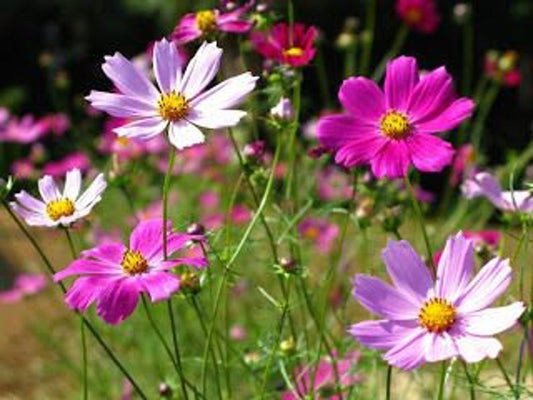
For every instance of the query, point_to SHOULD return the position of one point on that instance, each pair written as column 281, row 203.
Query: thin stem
column 397, row 45
column 442, row 381
column 389, row 381
column 369, row 31
column 420, row 218
column 176, row 348
column 470, row 381
column 166, row 188
column 484, row 110
column 507, row 378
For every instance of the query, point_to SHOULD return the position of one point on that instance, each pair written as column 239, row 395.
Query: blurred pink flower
column 23, row 285
column 24, row 130
column 319, row 231
column 334, row 184
column 488, row 238
column 238, row 333
column 421, row 15
column 23, row 169
column 76, row 160
column 58, row 124
column 503, row 67
column 463, row 164
column 209, row 200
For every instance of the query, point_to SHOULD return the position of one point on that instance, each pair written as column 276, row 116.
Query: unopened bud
column 287, row 346
column 283, row 110
column 255, row 150
column 190, row 283
column 196, row 229
column 165, row 390
column 461, row 12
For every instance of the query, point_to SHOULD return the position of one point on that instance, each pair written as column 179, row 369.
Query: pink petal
column 337, row 130
column 92, row 267
column 48, row 189
column 30, row 202
column 392, row 161
column 118, row 300
column 382, row 334
column 144, row 129
column 235, row 26
column 363, row 99
column 122, row 106
column 400, row 80
column 227, row 93
column 159, row 285
column 489, row 284
column 108, row 253
column 167, row 65
column 147, row 236
column 473, row 349
column 407, row 271
column 201, row 70
column 360, row 151
column 430, row 153
column 186, row 31
column 440, row 346
column 128, row 79
column 85, row 291
column 410, row 353
column 460, row 110
column 455, row 267
column 381, row 299
column 492, row 321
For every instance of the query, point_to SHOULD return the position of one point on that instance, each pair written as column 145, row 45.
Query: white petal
column 201, row 70
column 72, row 184
column 48, row 189
column 215, row 119
column 93, row 193
column 144, row 129
column 167, row 65
column 183, row 134
column 227, row 93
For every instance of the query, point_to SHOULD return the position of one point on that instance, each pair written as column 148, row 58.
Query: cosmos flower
column 114, row 275
column 428, row 321
column 180, row 103
column 392, row 129
column 56, row 207
column 420, row 15
column 464, row 164
column 24, row 130
column 486, row 185
column 294, row 48
column 206, row 22
column 76, row 160
column 283, row 110
column 320, row 232
column 23, row 285
column 324, row 379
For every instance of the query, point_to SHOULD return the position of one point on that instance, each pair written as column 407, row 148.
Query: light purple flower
column 180, row 103
column 427, row 321
column 485, row 184
column 56, row 207
column 114, row 275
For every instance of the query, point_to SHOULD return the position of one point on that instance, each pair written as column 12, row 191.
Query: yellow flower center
column 60, row 208
column 133, row 262
column 413, row 15
column 437, row 315
column 173, row 106
column 123, row 141
column 311, row 233
column 206, row 21
column 293, row 52
column 395, row 125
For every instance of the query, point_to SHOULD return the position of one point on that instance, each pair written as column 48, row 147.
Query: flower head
column 421, row 15
column 206, row 22
column 426, row 321
column 486, row 185
column 56, row 207
column 503, row 67
column 76, row 160
column 290, row 47
column 23, row 285
column 180, row 103
column 320, row 232
column 114, row 275
column 283, row 110
column 392, row 129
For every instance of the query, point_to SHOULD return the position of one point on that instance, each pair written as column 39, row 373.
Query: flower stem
column 507, row 378
column 166, row 188
column 389, row 381
column 442, row 381
column 396, row 47
column 420, row 218
column 470, row 381
column 484, row 109
column 370, row 20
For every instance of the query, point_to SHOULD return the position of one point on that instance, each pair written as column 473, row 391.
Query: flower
column 76, row 160
column 485, row 184
column 482, row 240
column 114, row 275
column 23, row 285
column 421, row 15
column 283, row 110
column 205, row 22
column 392, row 130
column 24, row 130
column 427, row 321
column 319, row 231
column 333, row 184
column 290, row 47
column 464, row 164
column 59, row 208
column 180, row 103
column 325, row 379
column 503, row 68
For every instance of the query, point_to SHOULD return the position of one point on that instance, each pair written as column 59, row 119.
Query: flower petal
column 447, row 119
column 160, row 285
column 167, row 65
column 201, row 70
column 473, row 349
column 381, row 299
column 83, row 266
column 122, row 106
column 489, row 284
column 360, row 151
column 30, row 202
column 93, row 194
column 226, row 94
column 84, row 291
column 432, row 95
column 492, row 320
column 382, row 334
column 363, row 99
column 183, row 134
column 107, row 253
column 455, row 267
column 440, row 346
column 400, row 80
column 407, row 270
column 118, row 300
column 144, row 129
column 410, row 353
column 72, row 184
column 215, row 119
column 392, row 160
column 48, row 189
column 430, row 153
column 334, row 131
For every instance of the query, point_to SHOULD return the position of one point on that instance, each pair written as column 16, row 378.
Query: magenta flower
column 180, row 103
column 114, row 275
column 204, row 23
column 421, row 15
column 59, row 208
column 24, row 130
column 463, row 164
column 485, row 184
column 23, row 285
column 325, row 379
column 481, row 240
column 77, row 160
column 333, row 184
column 320, row 232
column 294, row 48
column 426, row 321
column 392, row 129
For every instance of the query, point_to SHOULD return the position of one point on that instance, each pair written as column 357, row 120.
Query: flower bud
column 462, row 12
column 283, row 110
column 165, row 390
column 190, row 283
column 254, row 151
column 288, row 346
column 196, row 229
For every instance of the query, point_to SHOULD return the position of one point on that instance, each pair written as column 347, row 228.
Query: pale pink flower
column 77, row 160
column 23, row 285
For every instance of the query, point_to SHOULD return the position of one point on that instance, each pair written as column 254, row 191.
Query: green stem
column 369, row 40
column 442, row 381
column 484, row 110
column 507, row 378
column 420, row 218
column 291, row 190
column 389, row 381
column 396, row 47
column 470, row 381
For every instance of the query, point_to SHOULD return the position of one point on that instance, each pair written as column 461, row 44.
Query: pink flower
column 334, row 184
column 76, row 160
column 114, row 275
column 238, row 333
column 421, row 15
column 463, row 164
column 58, row 124
column 324, row 383
column 503, row 68
column 426, row 321
column 59, row 208
column 23, row 168
column 285, row 47
column 23, row 285
column 480, row 239
column 203, row 23
column 392, row 130
column 180, row 103
column 26, row 130
column 485, row 184
column 319, row 231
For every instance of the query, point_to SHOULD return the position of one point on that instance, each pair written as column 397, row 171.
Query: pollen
column 206, row 21
column 395, row 125
column 173, row 106
column 133, row 262
column 60, row 208
column 293, row 52
column 437, row 315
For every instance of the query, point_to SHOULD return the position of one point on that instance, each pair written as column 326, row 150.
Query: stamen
column 395, row 125
column 133, row 262
column 293, row 52
column 437, row 315
column 60, row 208
column 206, row 21
column 173, row 106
